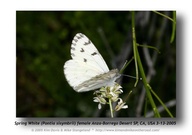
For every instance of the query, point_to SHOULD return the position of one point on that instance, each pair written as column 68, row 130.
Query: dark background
column 43, row 41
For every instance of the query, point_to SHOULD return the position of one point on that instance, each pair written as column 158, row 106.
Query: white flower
column 110, row 93
column 121, row 105
column 101, row 100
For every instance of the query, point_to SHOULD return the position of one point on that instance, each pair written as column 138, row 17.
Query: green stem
column 161, row 102
column 173, row 27
column 138, row 61
column 134, row 47
column 165, row 16
column 152, row 47
column 146, row 86
column 111, row 109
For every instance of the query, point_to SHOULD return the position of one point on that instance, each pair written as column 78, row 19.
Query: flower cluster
column 110, row 93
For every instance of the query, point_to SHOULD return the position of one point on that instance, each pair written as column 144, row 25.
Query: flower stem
column 111, row 109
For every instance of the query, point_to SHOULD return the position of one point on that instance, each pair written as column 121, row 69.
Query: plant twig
column 163, row 105
column 160, row 108
column 165, row 16
column 137, row 57
column 173, row 27
column 134, row 48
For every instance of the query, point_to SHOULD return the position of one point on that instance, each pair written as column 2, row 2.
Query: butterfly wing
column 85, row 64
column 82, row 49
column 106, row 79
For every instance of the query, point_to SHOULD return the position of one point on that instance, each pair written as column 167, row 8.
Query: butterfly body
column 87, row 69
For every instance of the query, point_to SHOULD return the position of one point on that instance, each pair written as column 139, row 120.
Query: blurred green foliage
column 43, row 40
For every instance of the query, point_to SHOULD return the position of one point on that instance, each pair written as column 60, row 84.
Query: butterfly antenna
column 131, row 76
column 123, row 67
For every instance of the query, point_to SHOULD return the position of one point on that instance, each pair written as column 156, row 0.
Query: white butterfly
column 87, row 69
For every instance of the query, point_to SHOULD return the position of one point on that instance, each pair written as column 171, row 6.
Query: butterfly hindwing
column 106, row 79
column 77, row 72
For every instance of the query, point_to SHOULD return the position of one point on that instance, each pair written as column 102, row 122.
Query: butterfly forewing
column 83, row 49
column 87, row 69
